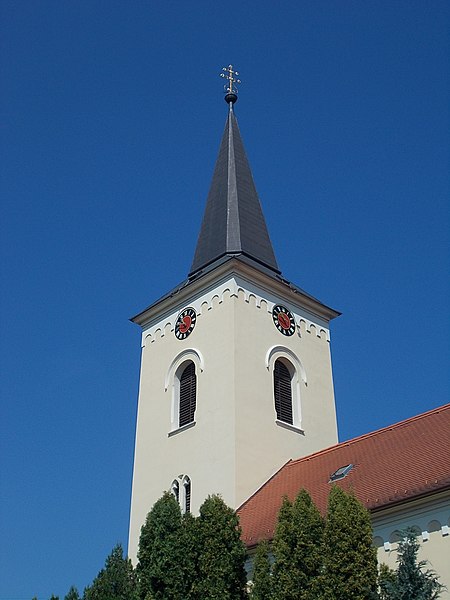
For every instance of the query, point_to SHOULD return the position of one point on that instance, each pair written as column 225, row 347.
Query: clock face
column 185, row 323
column 283, row 320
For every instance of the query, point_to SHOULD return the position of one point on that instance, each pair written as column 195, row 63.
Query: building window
column 288, row 380
column 181, row 382
column 175, row 487
column 282, row 388
column 181, row 489
column 187, row 495
column 187, row 398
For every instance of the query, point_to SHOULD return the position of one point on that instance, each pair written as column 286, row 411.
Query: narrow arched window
column 176, row 490
column 282, row 387
column 188, row 391
column 187, row 494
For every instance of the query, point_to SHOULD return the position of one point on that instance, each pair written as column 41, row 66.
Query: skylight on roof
column 341, row 473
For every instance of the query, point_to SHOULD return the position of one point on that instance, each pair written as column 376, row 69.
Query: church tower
column 236, row 370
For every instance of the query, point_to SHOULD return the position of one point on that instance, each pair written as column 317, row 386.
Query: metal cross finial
column 230, row 87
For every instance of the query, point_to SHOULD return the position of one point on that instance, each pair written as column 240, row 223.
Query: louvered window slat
column 188, row 390
column 282, row 392
column 187, row 496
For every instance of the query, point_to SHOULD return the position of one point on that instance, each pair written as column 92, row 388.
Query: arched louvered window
column 188, row 390
column 187, row 494
column 282, row 387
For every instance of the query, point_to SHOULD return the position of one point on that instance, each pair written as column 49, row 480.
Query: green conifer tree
column 282, row 545
column 190, row 544
column 411, row 581
column 116, row 581
column 163, row 568
column 262, row 576
column 350, row 563
column 221, row 553
column 297, row 549
column 72, row 594
column 386, row 579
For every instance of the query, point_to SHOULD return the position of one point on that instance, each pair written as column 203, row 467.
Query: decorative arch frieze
column 422, row 526
column 234, row 288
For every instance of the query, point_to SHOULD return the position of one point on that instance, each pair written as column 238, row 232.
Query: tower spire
column 233, row 222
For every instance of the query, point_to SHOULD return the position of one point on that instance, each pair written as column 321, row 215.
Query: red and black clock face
column 185, row 323
column 283, row 320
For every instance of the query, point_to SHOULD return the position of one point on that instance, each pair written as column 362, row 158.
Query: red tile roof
column 404, row 461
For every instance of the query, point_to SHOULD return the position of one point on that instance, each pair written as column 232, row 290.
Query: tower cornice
column 242, row 267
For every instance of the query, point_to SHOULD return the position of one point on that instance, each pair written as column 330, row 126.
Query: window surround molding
column 298, row 376
column 172, row 382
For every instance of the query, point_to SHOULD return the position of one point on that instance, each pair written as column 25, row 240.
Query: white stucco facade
column 430, row 517
column 235, row 443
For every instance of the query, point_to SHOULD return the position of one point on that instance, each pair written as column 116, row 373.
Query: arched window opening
column 176, row 490
column 188, row 391
column 282, row 387
column 187, row 494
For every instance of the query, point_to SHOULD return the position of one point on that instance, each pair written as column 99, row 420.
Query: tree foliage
column 386, row 578
column 163, row 567
column 350, row 563
column 262, row 576
column 72, row 594
column 411, row 581
column 116, row 581
column 221, row 553
column 297, row 549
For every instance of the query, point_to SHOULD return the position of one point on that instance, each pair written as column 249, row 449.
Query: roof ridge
column 397, row 425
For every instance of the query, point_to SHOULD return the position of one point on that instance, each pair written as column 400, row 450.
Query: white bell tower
column 236, row 371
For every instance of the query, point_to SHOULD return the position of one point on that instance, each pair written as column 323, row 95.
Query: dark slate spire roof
column 233, row 223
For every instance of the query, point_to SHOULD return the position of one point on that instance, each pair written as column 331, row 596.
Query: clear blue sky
column 111, row 117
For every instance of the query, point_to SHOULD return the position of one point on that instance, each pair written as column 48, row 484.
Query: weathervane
column 231, row 86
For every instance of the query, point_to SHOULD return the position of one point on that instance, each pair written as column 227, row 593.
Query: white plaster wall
column 235, row 444
column 262, row 446
column 431, row 518
column 204, row 452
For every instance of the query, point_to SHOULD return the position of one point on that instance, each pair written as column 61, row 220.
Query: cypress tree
column 189, row 541
column 262, row 576
column 411, row 582
column 350, row 563
column 162, row 567
column 297, row 549
column 116, row 581
column 221, row 553
column 282, row 545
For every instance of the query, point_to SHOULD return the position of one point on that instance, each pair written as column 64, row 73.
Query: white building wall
column 235, row 444
column 430, row 517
